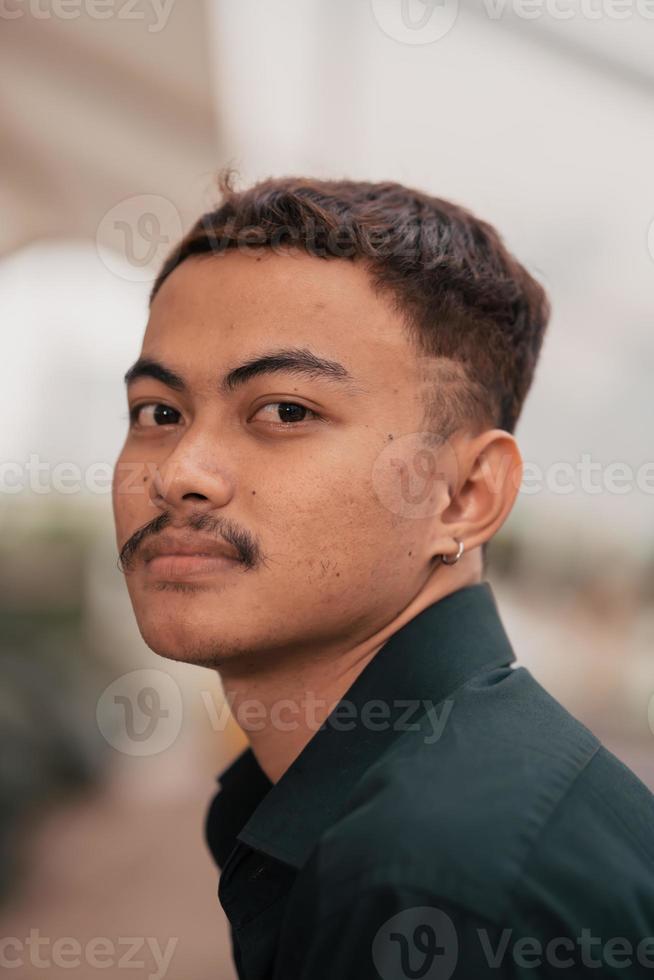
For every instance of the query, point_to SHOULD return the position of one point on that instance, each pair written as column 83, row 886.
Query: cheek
column 328, row 521
column 130, row 496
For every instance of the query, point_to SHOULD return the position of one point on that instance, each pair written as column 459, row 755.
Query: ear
column 489, row 477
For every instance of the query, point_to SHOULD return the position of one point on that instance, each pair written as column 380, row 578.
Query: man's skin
column 328, row 571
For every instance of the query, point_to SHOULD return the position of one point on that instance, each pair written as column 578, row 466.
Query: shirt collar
column 425, row 661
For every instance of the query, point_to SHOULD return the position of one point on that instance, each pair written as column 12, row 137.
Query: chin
column 177, row 627
column 184, row 646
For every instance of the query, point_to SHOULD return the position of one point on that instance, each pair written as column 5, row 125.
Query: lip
column 172, row 558
column 180, row 566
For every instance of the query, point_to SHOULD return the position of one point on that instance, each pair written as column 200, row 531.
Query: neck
column 290, row 701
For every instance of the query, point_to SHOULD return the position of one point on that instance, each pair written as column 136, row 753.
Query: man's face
column 256, row 496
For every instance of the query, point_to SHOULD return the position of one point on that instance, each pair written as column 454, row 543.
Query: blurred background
column 114, row 119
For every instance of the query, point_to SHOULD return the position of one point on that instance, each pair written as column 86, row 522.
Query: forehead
column 215, row 310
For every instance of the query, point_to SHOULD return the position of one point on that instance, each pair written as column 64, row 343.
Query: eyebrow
column 295, row 360
column 146, row 367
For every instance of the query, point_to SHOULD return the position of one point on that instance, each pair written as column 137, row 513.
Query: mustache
column 248, row 551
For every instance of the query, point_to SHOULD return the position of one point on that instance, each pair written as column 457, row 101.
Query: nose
column 191, row 479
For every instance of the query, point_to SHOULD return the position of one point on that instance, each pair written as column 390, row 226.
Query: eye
column 153, row 414
column 285, row 413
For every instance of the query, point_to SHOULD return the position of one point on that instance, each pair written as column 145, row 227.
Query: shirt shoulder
column 592, row 863
column 499, row 802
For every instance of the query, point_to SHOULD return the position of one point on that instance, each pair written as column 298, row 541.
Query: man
column 321, row 424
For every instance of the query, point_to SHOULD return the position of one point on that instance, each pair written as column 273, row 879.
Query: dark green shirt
column 450, row 819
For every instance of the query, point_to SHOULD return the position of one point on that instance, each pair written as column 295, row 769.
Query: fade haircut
column 477, row 317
